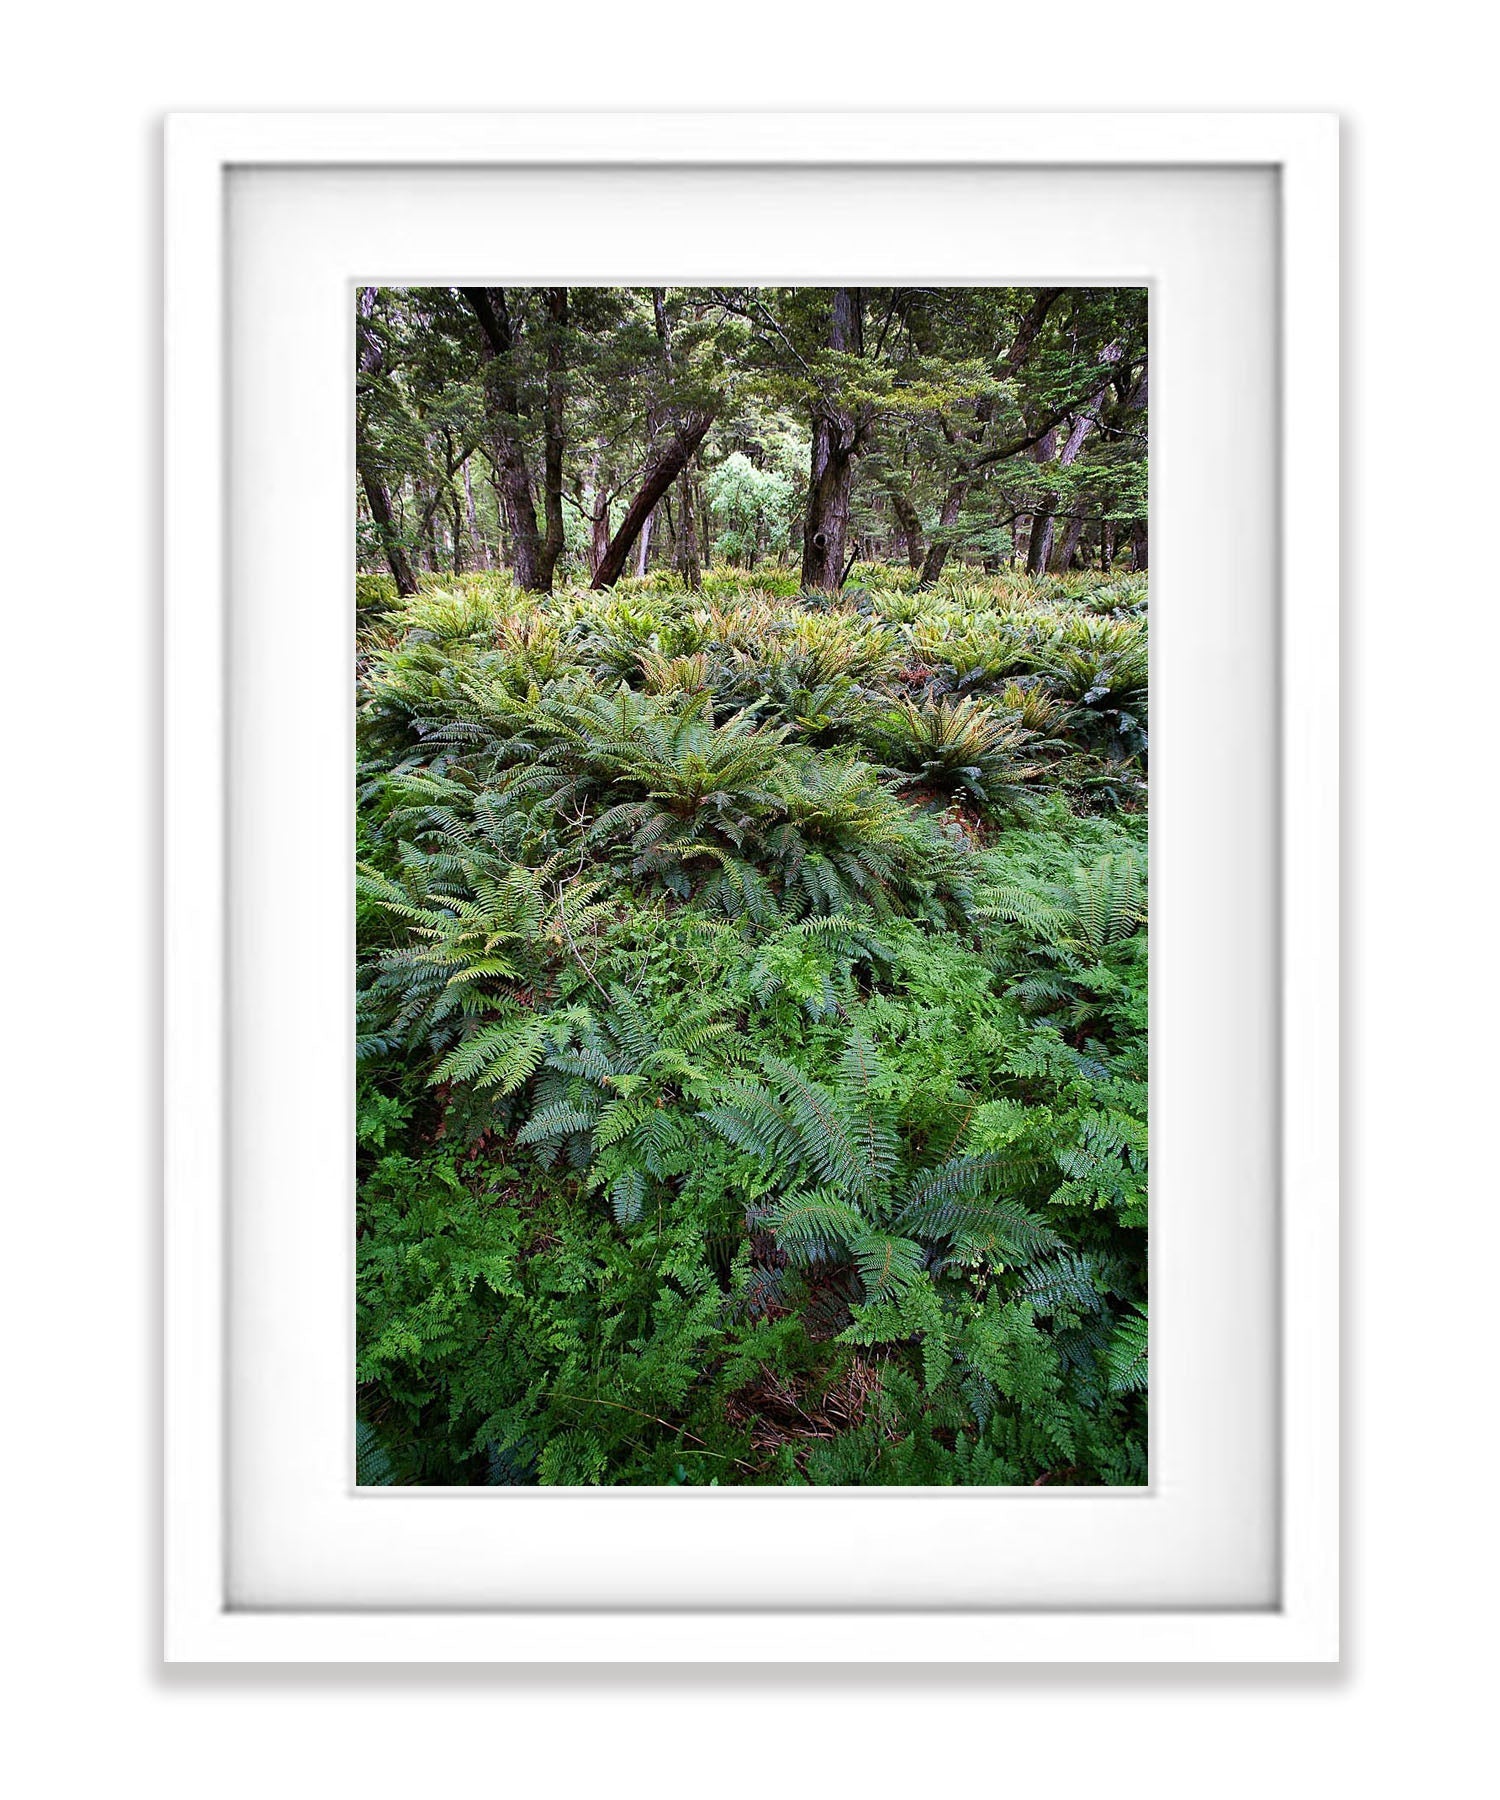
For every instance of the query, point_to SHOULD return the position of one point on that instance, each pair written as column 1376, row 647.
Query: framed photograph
column 685, row 636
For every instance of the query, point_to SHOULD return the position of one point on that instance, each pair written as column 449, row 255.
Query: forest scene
column 751, row 812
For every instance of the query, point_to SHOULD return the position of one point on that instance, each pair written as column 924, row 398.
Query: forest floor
column 752, row 1006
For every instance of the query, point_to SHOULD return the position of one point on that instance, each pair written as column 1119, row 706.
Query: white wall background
column 78, row 1296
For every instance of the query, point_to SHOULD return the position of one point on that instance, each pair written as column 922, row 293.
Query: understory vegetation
column 752, row 1027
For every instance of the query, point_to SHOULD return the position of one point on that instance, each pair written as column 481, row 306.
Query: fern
column 732, row 1107
column 1128, row 1354
column 372, row 1465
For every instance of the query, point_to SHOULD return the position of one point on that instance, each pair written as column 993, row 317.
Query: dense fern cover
column 752, row 1028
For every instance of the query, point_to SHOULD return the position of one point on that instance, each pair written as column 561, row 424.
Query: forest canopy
column 579, row 433
column 751, row 838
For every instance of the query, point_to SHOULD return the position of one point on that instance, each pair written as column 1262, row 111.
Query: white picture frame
column 204, row 1621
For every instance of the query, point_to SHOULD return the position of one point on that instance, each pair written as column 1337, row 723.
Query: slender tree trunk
column 552, row 475
column 942, row 538
column 503, row 416
column 686, row 558
column 645, row 550
column 1077, row 437
column 661, row 471
column 598, row 500
column 703, row 513
column 1139, row 398
column 379, row 502
column 1072, row 537
column 1107, row 545
column 429, row 527
column 476, row 542
column 1039, row 545
column 910, row 526
column 599, row 545
column 1084, row 540
column 684, row 537
column 1039, row 538
column 1039, row 554
column 371, row 473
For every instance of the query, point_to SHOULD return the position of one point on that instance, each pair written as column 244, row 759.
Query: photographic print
column 751, row 816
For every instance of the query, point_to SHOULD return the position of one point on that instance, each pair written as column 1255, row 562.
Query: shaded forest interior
column 583, row 433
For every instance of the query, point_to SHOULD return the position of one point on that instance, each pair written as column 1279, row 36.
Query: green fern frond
column 555, row 1121
column 1128, row 1354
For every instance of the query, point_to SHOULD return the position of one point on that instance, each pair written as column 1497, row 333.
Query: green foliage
column 754, row 508
column 752, row 983
column 727, row 1113
column 952, row 744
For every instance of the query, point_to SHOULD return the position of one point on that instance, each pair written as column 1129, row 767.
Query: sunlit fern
column 957, row 745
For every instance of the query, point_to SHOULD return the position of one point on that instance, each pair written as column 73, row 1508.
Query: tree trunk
column 1039, row 539
column 379, row 502
column 942, row 538
column 1072, row 537
column 1082, row 426
column 476, row 542
column 1139, row 398
column 826, row 525
column 502, row 414
column 703, row 513
column 660, row 472
column 688, row 565
column 910, row 524
column 1107, row 545
column 371, row 474
column 685, row 540
column 1039, row 545
column 1039, row 551
column 837, row 438
column 598, row 498
column 599, row 544
column 640, row 566
column 552, row 474
column 429, row 528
